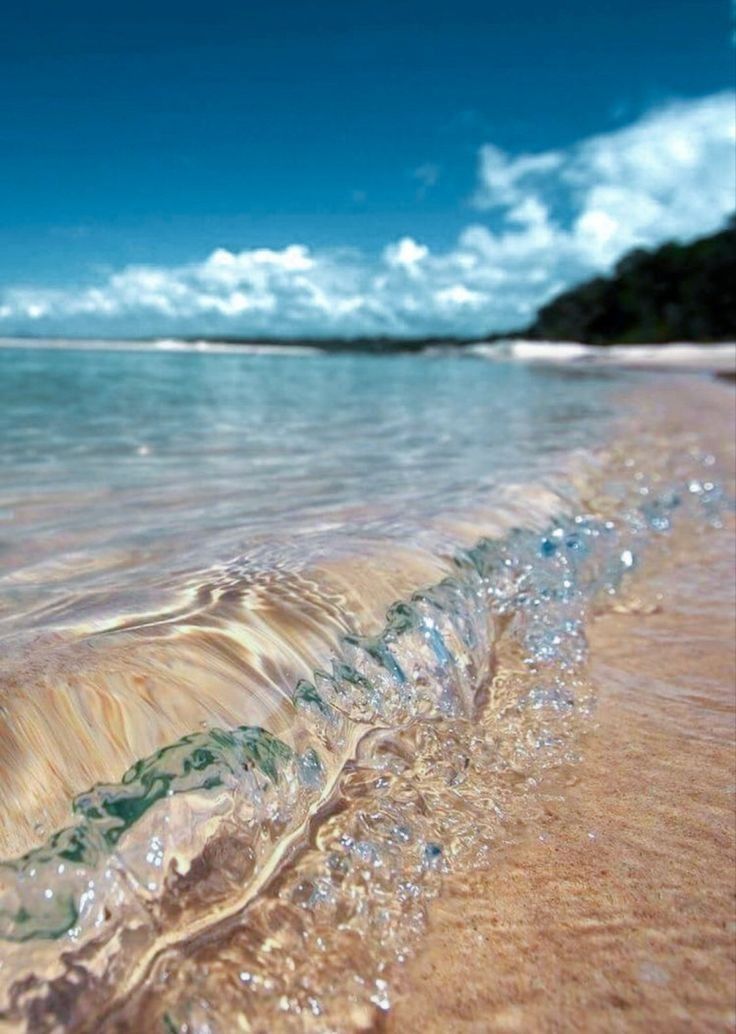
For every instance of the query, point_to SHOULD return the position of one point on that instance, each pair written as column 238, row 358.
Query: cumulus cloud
column 668, row 175
column 505, row 180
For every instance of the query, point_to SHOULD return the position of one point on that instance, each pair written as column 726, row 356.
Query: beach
column 421, row 755
column 618, row 913
column 368, row 518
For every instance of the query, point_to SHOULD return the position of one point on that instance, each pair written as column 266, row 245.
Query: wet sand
column 617, row 911
column 620, row 914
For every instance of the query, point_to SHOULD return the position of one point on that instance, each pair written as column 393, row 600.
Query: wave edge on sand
column 405, row 685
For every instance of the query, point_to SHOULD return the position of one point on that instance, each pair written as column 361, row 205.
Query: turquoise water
column 119, row 469
column 220, row 574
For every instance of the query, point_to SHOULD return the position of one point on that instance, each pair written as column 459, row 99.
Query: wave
column 192, row 833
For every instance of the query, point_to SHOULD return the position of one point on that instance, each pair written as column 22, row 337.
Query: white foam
column 162, row 345
column 720, row 358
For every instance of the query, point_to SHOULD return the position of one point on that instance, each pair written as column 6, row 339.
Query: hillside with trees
column 678, row 292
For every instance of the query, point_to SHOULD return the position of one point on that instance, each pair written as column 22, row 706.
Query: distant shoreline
column 250, row 346
column 706, row 357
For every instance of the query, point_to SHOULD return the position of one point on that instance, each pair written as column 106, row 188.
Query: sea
column 285, row 637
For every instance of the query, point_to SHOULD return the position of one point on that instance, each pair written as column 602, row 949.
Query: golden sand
column 619, row 915
column 617, row 910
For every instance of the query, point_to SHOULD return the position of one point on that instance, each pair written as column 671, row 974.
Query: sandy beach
column 368, row 518
column 618, row 914
column 472, row 873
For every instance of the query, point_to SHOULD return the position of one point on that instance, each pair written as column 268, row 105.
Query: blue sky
column 347, row 167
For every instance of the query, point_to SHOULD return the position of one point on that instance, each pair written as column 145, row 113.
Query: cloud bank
column 560, row 216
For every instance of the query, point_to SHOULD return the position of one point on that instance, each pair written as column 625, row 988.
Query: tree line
column 678, row 292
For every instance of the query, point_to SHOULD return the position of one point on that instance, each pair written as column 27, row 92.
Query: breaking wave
column 167, row 901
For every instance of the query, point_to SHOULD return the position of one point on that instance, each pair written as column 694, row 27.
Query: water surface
column 220, row 574
column 119, row 470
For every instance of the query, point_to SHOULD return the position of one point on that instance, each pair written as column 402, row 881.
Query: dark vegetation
column 372, row 345
column 680, row 292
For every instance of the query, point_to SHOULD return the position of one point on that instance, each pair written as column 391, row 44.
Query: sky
column 323, row 167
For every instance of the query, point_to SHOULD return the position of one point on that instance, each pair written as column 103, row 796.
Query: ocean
column 286, row 636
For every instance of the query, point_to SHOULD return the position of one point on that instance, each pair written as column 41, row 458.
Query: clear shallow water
column 120, row 469
column 183, row 536
column 201, row 559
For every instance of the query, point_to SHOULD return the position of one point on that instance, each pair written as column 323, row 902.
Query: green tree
column 679, row 292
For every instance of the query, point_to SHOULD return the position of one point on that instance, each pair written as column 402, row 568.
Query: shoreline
column 619, row 914
column 675, row 356
column 671, row 404
column 711, row 357
column 351, row 982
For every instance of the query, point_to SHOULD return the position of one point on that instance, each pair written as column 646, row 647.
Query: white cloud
column 668, row 175
column 405, row 254
column 671, row 174
column 505, row 180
